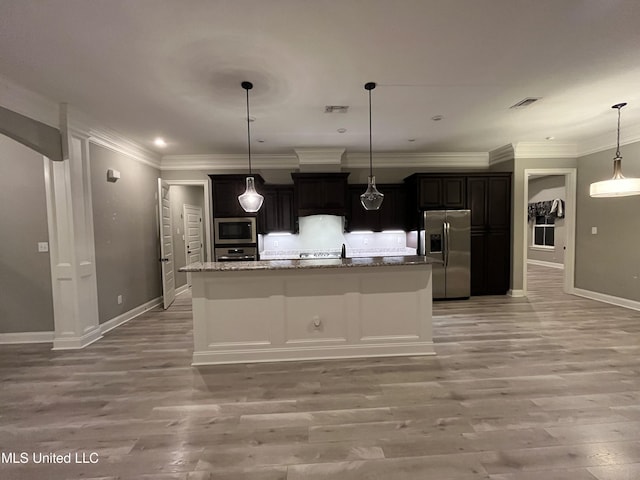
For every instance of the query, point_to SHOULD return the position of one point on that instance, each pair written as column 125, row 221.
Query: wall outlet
column 43, row 246
column 119, row 299
column 594, row 230
column 276, row 243
column 365, row 241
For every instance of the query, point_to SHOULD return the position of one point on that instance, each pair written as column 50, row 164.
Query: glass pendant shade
column 250, row 200
column 618, row 186
column 372, row 198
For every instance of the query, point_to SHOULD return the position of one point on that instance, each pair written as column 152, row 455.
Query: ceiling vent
column 526, row 102
column 336, row 109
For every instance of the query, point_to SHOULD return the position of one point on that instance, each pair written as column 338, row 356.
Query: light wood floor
column 544, row 388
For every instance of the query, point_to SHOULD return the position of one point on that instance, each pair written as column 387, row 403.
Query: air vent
column 336, row 109
column 526, row 102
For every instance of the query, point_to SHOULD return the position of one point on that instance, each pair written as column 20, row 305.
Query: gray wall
column 608, row 262
column 541, row 190
column 26, row 299
column 183, row 195
column 126, row 232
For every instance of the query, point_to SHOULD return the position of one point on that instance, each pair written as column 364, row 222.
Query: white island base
column 303, row 310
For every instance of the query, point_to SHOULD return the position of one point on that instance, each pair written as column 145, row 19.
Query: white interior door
column 166, row 244
column 192, row 235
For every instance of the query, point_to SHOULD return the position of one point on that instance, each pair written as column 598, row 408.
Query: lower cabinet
column 490, row 262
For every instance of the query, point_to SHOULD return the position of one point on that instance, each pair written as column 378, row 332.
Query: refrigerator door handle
column 446, row 243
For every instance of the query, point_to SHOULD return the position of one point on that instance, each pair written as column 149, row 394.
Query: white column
column 71, row 242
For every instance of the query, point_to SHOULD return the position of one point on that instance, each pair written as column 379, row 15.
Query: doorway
column 549, row 236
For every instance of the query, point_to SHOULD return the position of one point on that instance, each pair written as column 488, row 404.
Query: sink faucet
column 343, row 252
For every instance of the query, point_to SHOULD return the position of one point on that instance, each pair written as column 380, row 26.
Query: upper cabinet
column 320, row 193
column 434, row 192
column 390, row 216
column 277, row 212
column 225, row 190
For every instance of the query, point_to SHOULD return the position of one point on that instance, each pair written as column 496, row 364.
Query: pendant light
column 618, row 186
column 250, row 200
column 372, row 198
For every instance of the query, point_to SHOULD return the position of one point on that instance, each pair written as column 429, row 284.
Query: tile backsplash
column 326, row 233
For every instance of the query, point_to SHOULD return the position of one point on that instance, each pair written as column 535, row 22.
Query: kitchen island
column 276, row 310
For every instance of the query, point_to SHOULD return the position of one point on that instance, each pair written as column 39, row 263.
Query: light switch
column 594, row 230
column 43, row 246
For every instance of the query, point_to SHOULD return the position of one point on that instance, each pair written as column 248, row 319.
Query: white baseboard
column 324, row 352
column 603, row 297
column 126, row 316
column 516, row 293
column 542, row 263
column 26, row 337
column 64, row 342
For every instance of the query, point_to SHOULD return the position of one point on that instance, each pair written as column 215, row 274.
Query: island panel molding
column 315, row 309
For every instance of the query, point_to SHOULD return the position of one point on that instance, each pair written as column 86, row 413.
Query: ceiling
column 173, row 68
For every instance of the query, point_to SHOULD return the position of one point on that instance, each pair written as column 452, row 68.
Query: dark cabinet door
column 498, row 262
column 499, row 202
column 394, row 207
column 286, row 215
column 268, row 215
column 489, row 199
column 478, row 260
column 317, row 193
column 276, row 214
column 430, row 193
column 441, row 192
column 359, row 218
column 390, row 216
column 477, row 201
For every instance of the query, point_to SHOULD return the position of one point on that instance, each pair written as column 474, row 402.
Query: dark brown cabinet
column 318, row 193
column 390, row 216
column 489, row 199
column 225, row 190
column 277, row 212
column 435, row 192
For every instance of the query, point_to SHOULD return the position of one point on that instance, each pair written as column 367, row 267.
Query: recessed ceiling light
column 261, row 140
column 251, row 119
column 159, row 142
column 341, row 130
column 551, row 138
column 437, row 118
column 411, row 140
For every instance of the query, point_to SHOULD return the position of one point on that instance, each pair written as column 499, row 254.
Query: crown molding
column 545, row 150
column 501, row 154
column 84, row 126
column 319, row 156
column 419, row 160
column 28, row 103
column 606, row 141
column 230, row 161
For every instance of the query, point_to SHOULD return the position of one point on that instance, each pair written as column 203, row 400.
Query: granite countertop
column 308, row 263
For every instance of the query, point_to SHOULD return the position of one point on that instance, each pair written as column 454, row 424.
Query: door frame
column 206, row 214
column 570, row 182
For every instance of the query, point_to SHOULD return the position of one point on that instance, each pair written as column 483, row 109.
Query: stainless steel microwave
column 235, row 231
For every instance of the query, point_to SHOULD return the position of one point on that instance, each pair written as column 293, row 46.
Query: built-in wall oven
column 235, row 231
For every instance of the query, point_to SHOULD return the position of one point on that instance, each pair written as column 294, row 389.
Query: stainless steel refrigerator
column 446, row 236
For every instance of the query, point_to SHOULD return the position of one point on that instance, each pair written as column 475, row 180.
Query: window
column 543, row 232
